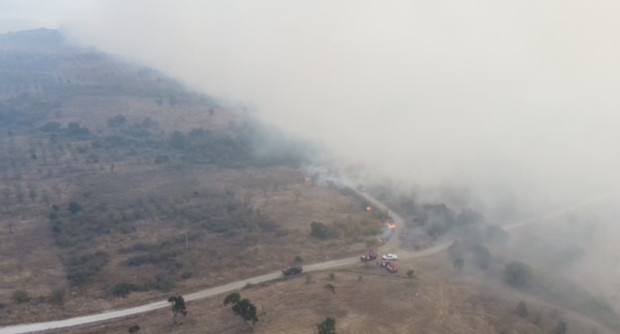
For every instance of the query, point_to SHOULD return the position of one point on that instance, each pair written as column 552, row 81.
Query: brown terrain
column 367, row 299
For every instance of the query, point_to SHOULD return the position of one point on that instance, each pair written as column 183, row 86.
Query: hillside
column 120, row 185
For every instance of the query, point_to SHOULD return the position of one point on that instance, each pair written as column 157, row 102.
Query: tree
column 242, row 307
column 410, row 273
column 327, row 327
column 330, row 287
column 57, row 296
column 518, row 274
column 482, row 256
column 320, row 230
column 232, row 298
column 20, row 296
column 298, row 259
column 117, row 121
column 246, row 310
column 178, row 306
column 522, row 309
column 74, row 207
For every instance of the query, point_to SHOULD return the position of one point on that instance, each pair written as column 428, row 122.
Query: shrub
column 518, row 274
column 20, row 296
column 410, row 273
column 57, row 296
column 124, row 289
column 327, row 327
column 482, row 256
column 75, row 207
column 322, row 231
column 81, row 269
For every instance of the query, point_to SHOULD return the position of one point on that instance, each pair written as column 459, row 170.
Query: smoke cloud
column 499, row 97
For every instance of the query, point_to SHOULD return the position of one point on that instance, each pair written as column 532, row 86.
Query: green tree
column 320, row 230
column 232, row 298
column 482, row 256
column 327, row 327
column 522, row 309
column 20, row 296
column 242, row 307
column 57, row 296
column 246, row 310
column 178, row 306
column 74, row 207
column 518, row 274
column 410, row 273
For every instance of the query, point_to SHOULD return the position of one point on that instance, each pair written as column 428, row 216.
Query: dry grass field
column 209, row 259
column 369, row 300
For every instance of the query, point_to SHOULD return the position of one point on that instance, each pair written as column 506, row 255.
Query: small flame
column 387, row 223
column 368, row 208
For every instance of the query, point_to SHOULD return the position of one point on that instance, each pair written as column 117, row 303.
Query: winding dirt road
column 391, row 245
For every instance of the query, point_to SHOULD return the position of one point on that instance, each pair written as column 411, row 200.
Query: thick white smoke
column 484, row 94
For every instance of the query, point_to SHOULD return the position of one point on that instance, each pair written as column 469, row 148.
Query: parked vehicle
column 292, row 270
column 370, row 255
column 389, row 266
column 390, row 256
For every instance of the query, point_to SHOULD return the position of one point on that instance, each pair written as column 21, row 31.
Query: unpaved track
column 392, row 243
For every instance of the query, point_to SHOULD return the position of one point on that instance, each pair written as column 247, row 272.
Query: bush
column 518, row 274
column 20, row 296
column 57, row 296
column 327, row 327
column 81, row 269
column 322, row 231
column 117, row 121
column 482, row 256
column 75, row 207
column 124, row 289
column 410, row 273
